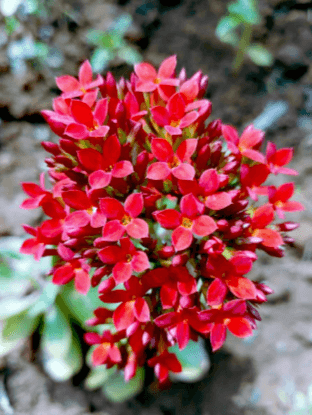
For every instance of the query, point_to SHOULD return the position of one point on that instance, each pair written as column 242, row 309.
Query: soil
column 248, row 377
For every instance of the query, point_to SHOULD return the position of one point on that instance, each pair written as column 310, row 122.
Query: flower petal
column 158, row 171
column 204, row 225
column 181, row 238
column 137, row 229
column 184, row 172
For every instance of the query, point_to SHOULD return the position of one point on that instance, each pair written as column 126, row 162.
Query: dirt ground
column 250, row 377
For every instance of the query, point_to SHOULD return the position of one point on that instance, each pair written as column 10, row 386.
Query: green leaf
column 46, row 299
column 101, row 58
column 81, row 307
column 6, row 346
column 226, row 26
column 19, row 326
column 260, row 55
column 246, row 10
column 64, row 367
column 122, row 24
column 97, row 376
column 56, row 335
column 116, row 389
column 129, row 55
column 12, row 305
column 194, row 360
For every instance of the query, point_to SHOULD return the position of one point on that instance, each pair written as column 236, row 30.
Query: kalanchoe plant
column 160, row 208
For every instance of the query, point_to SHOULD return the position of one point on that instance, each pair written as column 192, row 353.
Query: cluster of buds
column 160, row 210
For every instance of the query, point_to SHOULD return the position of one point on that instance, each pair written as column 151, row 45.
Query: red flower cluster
column 156, row 207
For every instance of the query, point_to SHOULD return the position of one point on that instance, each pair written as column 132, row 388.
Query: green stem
column 242, row 47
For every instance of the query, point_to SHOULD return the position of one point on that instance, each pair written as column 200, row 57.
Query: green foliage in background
column 111, row 44
column 236, row 29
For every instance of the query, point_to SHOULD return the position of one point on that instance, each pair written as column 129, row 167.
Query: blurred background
column 258, row 55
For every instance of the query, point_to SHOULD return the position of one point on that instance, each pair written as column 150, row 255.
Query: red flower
column 190, row 221
column 133, row 306
column 262, row 217
column 245, row 144
column 107, row 352
column 231, row 316
column 87, row 123
column 124, row 218
column 126, row 259
column 104, row 166
column 277, row 159
column 73, row 269
column 163, row 364
column 207, row 190
column 163, row 80
column 71, row 87
column 170, row 163
column 279, row 198
column 175, row 116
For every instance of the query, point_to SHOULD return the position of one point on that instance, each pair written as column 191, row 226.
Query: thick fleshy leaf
column 113, row 231
column 99, row 179
column 218, row 201
column 161, row 149
column 240, row 327
column 90, row 159
column 216, row 292
column 137, row 229
column 158, row 171
column 184, row 172
column 168, row 219
column 181, row 238
column 140, row 262
column 217, row 336
column 82, row 113
column 122, row 271
column 124, row 315
column 242, row 287
column 141, row 310
column 111, row 208
column 134, row 204
column 122, row 169
column 204, row 225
